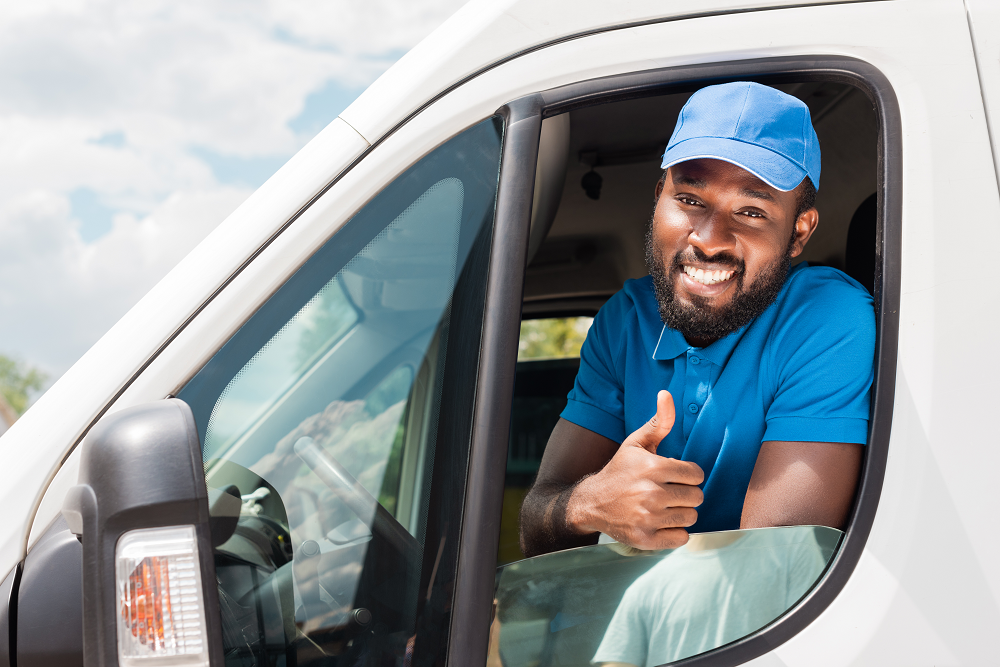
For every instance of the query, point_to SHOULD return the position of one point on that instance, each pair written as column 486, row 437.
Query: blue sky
column 320, row 107
column 128, row 131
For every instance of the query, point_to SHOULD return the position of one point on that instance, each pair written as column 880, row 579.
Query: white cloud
column 375, row 27
column 59, row 294
column 163, row 116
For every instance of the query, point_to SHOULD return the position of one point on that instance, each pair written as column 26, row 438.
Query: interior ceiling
column 595, row 245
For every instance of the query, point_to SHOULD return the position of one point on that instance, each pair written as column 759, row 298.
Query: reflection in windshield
column 611, row 604
column 335, row 426
column 274, row 369
column 337, row 466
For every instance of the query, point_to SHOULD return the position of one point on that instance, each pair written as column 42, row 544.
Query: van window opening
column 594, row 244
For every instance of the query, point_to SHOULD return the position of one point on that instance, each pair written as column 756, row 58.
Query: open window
column 573, row 607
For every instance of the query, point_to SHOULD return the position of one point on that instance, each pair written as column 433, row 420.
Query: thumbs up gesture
column 640, row 498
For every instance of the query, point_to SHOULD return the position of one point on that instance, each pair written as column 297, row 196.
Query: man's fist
column 640, row 498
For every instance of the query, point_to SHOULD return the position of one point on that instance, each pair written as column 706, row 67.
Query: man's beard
column 699, row 321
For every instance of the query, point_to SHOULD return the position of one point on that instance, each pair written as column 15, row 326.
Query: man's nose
column 711, row 235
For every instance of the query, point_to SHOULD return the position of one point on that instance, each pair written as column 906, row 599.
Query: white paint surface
column 926, row 590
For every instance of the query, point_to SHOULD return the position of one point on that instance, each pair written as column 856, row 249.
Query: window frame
column 479, row 537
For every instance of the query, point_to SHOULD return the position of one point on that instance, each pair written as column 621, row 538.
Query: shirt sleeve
column 821, row 363
column 597, row 400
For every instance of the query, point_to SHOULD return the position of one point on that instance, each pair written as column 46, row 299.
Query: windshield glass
column 612, row 604
column 336, row 426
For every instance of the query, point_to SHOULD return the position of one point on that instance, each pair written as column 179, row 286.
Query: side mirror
column 141, row 509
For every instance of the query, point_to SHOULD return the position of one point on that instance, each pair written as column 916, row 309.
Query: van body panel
column 458, row 50
column 984, row 26
column 927, row 589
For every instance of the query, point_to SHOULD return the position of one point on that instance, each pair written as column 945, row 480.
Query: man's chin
column 684, row 312
column 697, row 316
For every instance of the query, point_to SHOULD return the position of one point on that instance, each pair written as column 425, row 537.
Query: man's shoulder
column 822, row 288
column 642, row 287
column 822, row 299
column 636, row 298
column 629, row 317
column 637, row 290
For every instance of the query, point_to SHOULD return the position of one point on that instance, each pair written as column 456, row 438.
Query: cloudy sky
column 128, row 131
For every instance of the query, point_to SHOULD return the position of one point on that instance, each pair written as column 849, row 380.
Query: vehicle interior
column 597, row 168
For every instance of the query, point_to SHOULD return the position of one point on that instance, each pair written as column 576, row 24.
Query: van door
column 341, row 414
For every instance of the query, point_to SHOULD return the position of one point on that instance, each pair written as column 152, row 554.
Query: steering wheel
column 351, row 492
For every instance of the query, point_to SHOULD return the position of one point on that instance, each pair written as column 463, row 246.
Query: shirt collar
column 672, row 344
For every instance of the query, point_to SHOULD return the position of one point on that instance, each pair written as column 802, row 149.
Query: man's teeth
column 708, row 277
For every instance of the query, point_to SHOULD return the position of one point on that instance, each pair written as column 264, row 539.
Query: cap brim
column 776, row 170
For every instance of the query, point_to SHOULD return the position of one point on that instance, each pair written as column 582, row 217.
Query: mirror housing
column 140, row 468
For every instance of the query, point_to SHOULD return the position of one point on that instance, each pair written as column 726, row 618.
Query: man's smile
column 705, row 282
column 708, row 277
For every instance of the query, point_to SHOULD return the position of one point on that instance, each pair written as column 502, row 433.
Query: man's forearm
column 545, row 526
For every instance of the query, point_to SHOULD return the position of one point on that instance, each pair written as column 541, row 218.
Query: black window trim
column 472, row 604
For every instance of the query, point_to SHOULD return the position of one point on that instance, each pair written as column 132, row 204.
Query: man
column 744, row 385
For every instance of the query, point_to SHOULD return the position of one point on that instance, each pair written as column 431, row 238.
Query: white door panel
column 488, row 32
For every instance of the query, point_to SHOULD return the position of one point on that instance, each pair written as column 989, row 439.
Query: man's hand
column 589, row 484
column 640, row 498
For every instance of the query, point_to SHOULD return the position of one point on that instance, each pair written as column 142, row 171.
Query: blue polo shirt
column 802, row 372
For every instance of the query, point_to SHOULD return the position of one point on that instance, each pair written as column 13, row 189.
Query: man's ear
column 658, row 190
column 805, row 225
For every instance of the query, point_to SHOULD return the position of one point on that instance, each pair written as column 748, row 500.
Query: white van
column 307, row 444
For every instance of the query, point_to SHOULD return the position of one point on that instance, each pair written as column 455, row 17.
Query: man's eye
column 689, row 201
column 753, row 214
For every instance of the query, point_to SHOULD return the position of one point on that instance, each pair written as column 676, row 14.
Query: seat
column 540, row 389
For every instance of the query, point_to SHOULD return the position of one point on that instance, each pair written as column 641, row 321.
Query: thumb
column 649, row 435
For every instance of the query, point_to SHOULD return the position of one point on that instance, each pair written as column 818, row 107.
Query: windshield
column 612, row 604
column 335, row 427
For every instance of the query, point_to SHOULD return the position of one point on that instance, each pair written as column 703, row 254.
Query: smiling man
column 725, row 390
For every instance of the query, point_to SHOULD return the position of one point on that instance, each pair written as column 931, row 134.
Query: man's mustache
column 722, row 259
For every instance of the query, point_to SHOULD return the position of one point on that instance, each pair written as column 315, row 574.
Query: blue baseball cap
column 756, row 127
